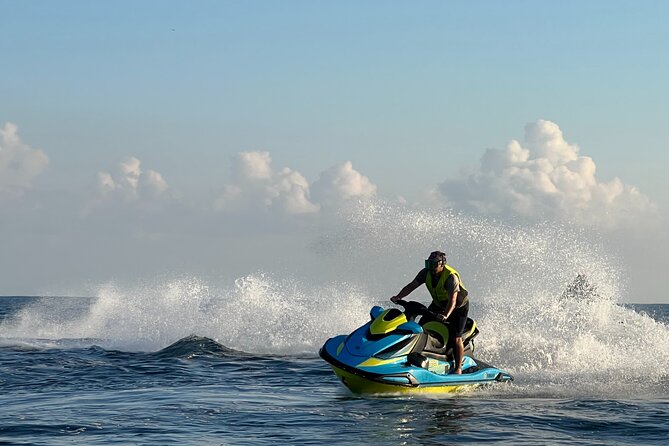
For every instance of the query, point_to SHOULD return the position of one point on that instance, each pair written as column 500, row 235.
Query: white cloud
column 155, row 183
column 546, row 178
column 258, row 187
column 342, row 183
column 131, row 183
column 253, row 166
column 19, row 163
column 130, row 172
column 290, row 192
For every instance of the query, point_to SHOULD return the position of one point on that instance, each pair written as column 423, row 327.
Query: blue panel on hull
column 359, row 344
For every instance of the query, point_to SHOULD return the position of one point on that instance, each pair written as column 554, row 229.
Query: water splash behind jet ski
column 581, row 288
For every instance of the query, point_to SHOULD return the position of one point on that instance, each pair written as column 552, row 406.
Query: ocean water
column 197, row 391
column 184, row 360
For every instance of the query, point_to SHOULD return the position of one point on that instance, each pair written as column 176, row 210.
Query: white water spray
column 516, row 274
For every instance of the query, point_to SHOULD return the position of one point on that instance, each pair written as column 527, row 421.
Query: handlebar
column 413, row 309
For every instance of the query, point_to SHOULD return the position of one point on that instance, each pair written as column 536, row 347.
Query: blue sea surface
column 197, row 391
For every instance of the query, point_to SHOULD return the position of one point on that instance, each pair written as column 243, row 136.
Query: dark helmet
column 436, row 258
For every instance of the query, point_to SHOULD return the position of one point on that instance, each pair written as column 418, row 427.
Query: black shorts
column 456, row 321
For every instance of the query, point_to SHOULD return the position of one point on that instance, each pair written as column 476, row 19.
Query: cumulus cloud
column 253, row 166
column 546, row 178
column 131, row 183
column 19, row 163
column 259, row 187
column 290, row 192
column 342, row 183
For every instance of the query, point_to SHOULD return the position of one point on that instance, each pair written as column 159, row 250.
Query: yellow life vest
column 439, row 294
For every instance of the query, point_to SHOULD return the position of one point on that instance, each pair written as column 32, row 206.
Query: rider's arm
column 451, row 305
column 408, row 289
column 453, row 287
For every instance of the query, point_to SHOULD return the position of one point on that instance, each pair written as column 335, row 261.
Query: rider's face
column 434, row 265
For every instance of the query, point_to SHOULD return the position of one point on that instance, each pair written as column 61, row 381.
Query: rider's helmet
column 436, row 258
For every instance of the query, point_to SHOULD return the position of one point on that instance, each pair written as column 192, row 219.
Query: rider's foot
column 457, row 372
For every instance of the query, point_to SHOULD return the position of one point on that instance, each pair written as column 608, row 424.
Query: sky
column 139, row 138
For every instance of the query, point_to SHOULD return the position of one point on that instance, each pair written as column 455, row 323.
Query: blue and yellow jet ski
column 393, row 353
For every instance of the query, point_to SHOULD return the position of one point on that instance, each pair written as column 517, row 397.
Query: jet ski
column 392, row 353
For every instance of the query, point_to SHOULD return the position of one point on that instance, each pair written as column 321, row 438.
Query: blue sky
column 412, row 94
column 308, row 80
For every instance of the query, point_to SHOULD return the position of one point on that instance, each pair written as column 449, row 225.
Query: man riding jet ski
column 450, row 299
column 392, row 353
column 392, row 342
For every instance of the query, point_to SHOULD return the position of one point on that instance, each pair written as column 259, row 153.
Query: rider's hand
column 441, row 318
column 394, row 299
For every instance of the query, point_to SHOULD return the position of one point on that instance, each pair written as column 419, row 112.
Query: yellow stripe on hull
column 358, row 384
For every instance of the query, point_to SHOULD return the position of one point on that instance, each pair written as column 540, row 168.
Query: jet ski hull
column 364, row 375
